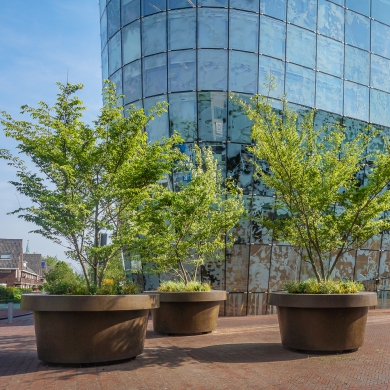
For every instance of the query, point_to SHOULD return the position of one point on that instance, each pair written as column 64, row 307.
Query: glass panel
column 102, row 6
column 113, row 18
column 182, row 29
column 357, row 30
column 300, row 85
column 182, row 114
column 303, row 13
column 259, row 268
column 239, row 167
column 155, row 74
column 244, row 31
column 301, row 46
column 237, row 270
column 213, row 28
column 381, row 10
column 329, row 93
column 154, row 34
column 117, row 79
column 380, row 73
column 357, row 65
column 270, row 67
column 105, row 63
column 152, row 6
column 275, row 8
column 240, row 126
column 103, row 29
column 158, row 127
column 338, row 2
column 132, row 85
column 212, row 116
column 380, row 39
column 182, row 70
column 243, row 71
column 379, row 107
column 330, row 56
column 131, row 42
column 114, row 53
column 212, row 69
column 330, row 20
column 272, row 37
column 249, row 5
column 361, row 6
column 213, row 3
column 356, row 99
column 130, row 11
column 261, row 205
column 172, row 4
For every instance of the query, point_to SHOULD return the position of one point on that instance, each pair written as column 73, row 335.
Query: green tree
column 85, row 178
column 61, row 272
column 51, row 261
column 315, row 178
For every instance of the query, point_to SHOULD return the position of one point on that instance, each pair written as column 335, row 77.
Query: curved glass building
column 330, row 55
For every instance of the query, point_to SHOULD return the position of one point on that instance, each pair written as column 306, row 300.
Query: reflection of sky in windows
column 182, row 71
column 361, row 6
column 154, row 34
column 271, row 68
column 131, row 42
column 154, row 74
column 158, row 127
column 300, row 85
column 212, row 69
column 182, row 114
column 182, row 29
column 212, row 28
column 357, row 65
column 272, row 37
column 329, row 93
column 380, row 73
column 243, row 69
column 302, row 13
column 356, row 99
column 330, row 20
column 130, row 11
column 380, row 39
column 114, row 53
column 357, row 30
column 330, row 56
column 277, row 8
column 244, row 27
column 301, row 38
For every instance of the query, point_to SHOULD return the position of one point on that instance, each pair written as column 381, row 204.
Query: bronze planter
column 89, row 329
column 187, row 313
column 322, row 322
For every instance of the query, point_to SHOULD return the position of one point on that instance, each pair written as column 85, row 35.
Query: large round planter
column 187, row 313
column 322, row 322
column 89, row 329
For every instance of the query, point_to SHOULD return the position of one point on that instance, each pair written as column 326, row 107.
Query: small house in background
column 18, row 269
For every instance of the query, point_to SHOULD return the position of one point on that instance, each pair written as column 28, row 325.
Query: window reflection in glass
column 356, row 99
column 239, row 126
column 271, row 68
column 130, row 11
column 357, row 65
column 249, row 5
column 381, row 10
column 306, row 40
column 102, row 6
column 116, row 78
column 182, row 70
column 182, row 29
column 330, row 56
column 240, row 168
column 212, row 117
column 113, row 17
column 154, row 36
column 361, row 6
column 243, row 69
column 213, row 3
column 329, row 93
column 155, row 74
column 380, row 39
column 105, row 63
column 152, row 6
column 132, row 83
column 300, row 85
column 379, row 107
column 380, row 73
column 244, row 31
column 103, row 29
column 272, row 37
column 157, row 128
column 182, row 114
column 275, row 8
column 212, row 69
column 172, row 4
column 303, row 13
column 330, row 20
column 131, row 42
column 114, row 53
column 357, row 30
column 213, row 28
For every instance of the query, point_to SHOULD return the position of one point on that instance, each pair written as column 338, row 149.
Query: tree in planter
column 188, row 226
column 86, row 177
column 315, row 178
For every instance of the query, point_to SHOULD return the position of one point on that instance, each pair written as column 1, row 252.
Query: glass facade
column 330, row 55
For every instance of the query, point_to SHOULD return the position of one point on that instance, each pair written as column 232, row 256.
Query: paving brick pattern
column 243, row 353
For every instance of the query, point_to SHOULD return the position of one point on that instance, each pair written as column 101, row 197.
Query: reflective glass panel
column 105, row 63
column 152, row 6
column 329, row 93
column 380, row 39
column 330, row 20
column 300, row 85
column 213, row 28
column 303, row 13
column 244, row 31
column 240, row 126
column 379, row 107
column 338, row 2
column 117, row 79
column 357, row 65
column 272, row 37
column 380, row 73
column 130, row 11
column 182, row 70
column 131, row 42
column 132, row 83
column 182, row 29
column 182, row 114
column 155, row 74
column 356, row 101
column 172, row 4
column 249, row 5
column 330, row 56
column 243, row 69
column 275, row 8
column 114, row 53
column 102, row 5
column 240, row 168
column 212, row 69
column 212, row 116
column 301, row 46
column 113, row 17
column 158, row 127
column 154, row 34
column 213, row 3
column 103, row 29
column 271, row 68
column 357, row 30
column 381, row 10
column 361, row 6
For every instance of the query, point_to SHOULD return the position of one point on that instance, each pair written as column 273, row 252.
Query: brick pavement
column 243, row 353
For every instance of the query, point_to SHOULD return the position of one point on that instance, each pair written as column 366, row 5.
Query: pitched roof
column 33, row 261
column 12, row 247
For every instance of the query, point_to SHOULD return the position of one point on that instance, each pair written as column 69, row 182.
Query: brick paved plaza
column 243, row 353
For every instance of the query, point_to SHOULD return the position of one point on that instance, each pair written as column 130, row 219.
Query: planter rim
column 192, row 296
column 46, row 302
column 285, row 299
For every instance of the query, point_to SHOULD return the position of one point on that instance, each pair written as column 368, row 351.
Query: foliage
column 51, row 261
column 86, row 178
column 188, row 225
column 179, row 286
column 60, row 273
column 312, row 286
column 118, row 287
column 13, row 294
column 315, row 176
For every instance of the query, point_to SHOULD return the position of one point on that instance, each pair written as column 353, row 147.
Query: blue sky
column 41, row 42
